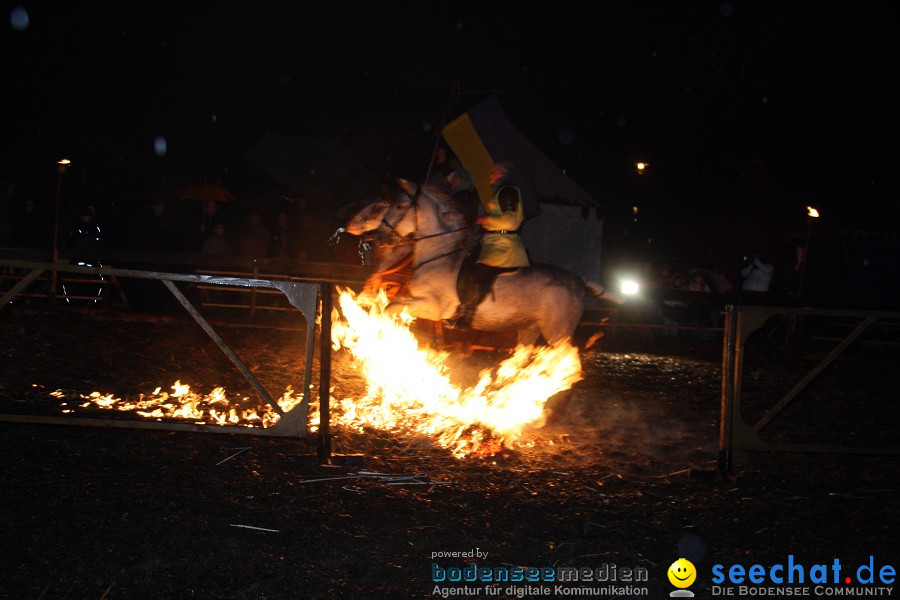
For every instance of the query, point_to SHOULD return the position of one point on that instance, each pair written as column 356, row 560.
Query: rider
column 501, row 245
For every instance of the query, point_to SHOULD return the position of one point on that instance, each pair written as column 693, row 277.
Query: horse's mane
column 455, row 215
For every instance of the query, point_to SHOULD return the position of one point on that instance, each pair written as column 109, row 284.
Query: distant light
column 18, row 18
column 64, row 162
column 634, row 209
column 629, row 287
column 641, row 167
column 812, row 212
column 160, row 146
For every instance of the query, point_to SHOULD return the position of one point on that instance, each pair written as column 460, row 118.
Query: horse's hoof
column 450, row 323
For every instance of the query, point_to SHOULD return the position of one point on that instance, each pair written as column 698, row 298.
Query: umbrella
column 204, row 192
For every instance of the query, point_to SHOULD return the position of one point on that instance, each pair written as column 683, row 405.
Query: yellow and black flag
column 484, row 136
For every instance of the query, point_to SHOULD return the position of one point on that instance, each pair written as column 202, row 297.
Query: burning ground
column 90, row 513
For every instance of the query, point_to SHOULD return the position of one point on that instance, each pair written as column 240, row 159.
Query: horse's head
column 400, row 217
column 368, row 218
column 424, row 211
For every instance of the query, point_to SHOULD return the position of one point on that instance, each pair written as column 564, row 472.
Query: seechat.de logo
column 682, row 574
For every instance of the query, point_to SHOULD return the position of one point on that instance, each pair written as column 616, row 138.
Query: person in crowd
column 675, row 310
column 213, row 213
column 702, row 309
column 254, row 238
column 450, row 177
column 312, row 239
column 282, row 238
column 155, row 231
column 7, row 213
column 447, row 173
column 218, row 242
column 33, row 228
column 757, row 274
column 84, row 232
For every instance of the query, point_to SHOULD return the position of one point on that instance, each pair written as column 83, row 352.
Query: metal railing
column 735, row 433
column 303, row 292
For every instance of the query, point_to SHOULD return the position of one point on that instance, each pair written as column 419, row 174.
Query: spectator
column 254, row 238
column 282, row 237
column 84, row 233
column 213, row 213
column 448, row 174
column 33, row 228
column 217, row 243
column 702, row 309
column 155, row 231
column 312, row 240
column 674, row 309
column 7, row 213
column 757, row 275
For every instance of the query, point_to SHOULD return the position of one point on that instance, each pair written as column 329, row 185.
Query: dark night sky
column 698, row 89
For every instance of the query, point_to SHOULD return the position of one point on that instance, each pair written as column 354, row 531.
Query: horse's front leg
column 423, row 307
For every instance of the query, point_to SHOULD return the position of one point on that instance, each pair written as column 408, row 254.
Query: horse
column 392, row 260
column 539, row 300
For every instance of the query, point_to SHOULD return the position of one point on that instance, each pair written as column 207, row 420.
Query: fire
column 214, row 408
column 410, row 390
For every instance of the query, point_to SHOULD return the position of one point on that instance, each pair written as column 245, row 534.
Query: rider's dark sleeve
column 508, row 198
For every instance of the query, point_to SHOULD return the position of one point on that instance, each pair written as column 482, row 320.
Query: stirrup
column 461, row 319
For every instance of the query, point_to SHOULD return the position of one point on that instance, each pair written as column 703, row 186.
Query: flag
column 484, row 136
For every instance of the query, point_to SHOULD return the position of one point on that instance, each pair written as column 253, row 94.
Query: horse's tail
column 601, row 292
column 598, row 290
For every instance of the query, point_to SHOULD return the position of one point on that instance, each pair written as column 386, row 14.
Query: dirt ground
column 622, row 474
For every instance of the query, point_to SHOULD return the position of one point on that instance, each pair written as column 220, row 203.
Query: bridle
column 395, row 239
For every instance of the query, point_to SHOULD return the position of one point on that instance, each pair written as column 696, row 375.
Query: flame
column 213, row 408
column 410, row 390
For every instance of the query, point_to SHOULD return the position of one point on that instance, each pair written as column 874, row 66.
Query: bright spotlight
column 629, row 287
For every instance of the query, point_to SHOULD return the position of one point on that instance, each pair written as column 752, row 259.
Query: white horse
column 537, row 300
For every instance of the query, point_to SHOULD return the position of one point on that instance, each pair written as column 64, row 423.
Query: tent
column 563, row 226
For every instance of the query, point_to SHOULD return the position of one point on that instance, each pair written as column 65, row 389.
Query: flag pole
column 454, row 96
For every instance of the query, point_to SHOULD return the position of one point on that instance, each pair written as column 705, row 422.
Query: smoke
column 639, row 413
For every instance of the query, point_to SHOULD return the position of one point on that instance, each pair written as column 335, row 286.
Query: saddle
column 474, row 282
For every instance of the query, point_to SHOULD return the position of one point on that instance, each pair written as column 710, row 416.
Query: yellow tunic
column 503, row 249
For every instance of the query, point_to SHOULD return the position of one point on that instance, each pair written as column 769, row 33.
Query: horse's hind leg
column 527, row 337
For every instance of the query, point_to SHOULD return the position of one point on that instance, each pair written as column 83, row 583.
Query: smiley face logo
column 682, row 573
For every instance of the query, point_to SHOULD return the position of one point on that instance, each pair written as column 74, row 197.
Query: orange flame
column 409, row 388
column 213, row 408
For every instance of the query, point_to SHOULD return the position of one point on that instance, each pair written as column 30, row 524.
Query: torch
column 812, row 215
column 62, row 166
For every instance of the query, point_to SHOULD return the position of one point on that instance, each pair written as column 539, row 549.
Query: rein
column 417, row 238
column 433, row 235
column 399, row 266
column 439, row 256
